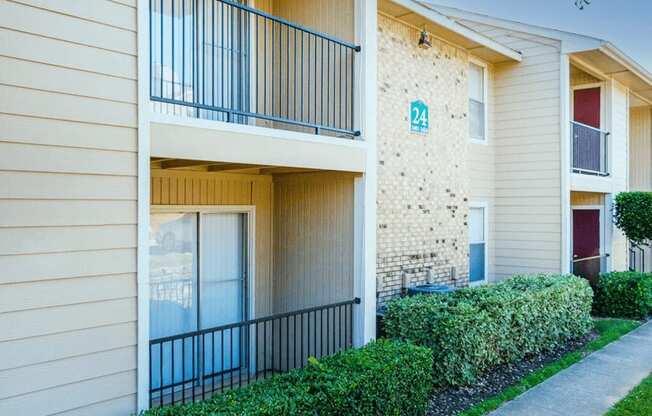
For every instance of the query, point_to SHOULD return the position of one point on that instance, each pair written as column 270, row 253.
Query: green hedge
column 476, row 329
column 624, row 295
column 382, row 378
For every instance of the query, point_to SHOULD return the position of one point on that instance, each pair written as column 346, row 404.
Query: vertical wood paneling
column 313, row 240
column 334, row 17
column 587, row 198
column 640, row 154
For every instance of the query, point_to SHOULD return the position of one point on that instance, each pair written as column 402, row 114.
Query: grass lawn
column 638, row 401
column 609, row 330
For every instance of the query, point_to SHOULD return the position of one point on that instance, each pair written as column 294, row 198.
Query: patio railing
column 193, row 366
column 590, row 150
column 222, row 60
column 636, row 258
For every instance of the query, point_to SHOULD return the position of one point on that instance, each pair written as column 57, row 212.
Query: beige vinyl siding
column 68, row 143
column 640, row 153
column 525, row 141
column 313, row 240
column 170, row 187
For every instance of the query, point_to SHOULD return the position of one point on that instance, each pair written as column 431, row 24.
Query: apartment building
column 526, row 149
column 188, row 196
column 200, row 193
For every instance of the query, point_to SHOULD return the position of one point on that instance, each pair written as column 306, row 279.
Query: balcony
column 590, row 150
column 221, row 60
column 195, row 365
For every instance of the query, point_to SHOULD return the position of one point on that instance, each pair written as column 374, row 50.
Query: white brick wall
column 422, row 179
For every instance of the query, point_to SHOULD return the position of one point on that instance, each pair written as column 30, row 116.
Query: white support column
column 565, row 92
column 143, row 207
column 365, row 186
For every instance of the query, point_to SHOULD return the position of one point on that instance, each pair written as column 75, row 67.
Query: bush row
column 476, row 329
column 624, row 295
column 382, row 378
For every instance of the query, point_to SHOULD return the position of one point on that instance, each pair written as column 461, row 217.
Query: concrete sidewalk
column 592, row 386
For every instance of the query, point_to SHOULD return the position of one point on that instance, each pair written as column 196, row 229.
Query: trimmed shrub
column 476, row 329
column 624, row 295
column 383, row 378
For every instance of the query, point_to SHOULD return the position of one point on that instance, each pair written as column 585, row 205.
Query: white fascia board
column 571, row 42
column 443, row 21
column 619, row 56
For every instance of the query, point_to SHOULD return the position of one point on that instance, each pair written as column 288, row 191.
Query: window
column 477, row 98
column 478, row 244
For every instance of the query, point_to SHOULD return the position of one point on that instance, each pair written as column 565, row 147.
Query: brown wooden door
column 586, row 243
column 586, row 106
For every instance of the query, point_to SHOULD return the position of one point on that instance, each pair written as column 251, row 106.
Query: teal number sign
column 419, row 121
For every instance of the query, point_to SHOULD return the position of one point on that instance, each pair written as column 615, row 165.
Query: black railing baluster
column 273, row 347
column 213, row 362
column 308, row 333
column 287, row 343
column 328, row 324
column 151, row 348
column 183, row 371
column 301, row 362
column 171, row 369
column 294, row 342
column 222, row 371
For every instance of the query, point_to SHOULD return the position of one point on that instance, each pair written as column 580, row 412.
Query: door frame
column 603, row 235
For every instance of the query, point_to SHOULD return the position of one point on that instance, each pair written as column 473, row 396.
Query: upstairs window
column 477, row 102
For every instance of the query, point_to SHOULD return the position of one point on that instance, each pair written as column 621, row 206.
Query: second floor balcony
column 223, row 60
column 589, row 150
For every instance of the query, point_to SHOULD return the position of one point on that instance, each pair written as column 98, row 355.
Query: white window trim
column 485, row 206
column 485, row 93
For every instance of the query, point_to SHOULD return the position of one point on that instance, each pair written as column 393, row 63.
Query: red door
column 586, row 106
column 586, row 243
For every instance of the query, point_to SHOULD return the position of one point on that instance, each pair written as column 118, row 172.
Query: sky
column 625, row 23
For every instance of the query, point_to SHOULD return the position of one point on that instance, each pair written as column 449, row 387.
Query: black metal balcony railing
column 590, row 150
column 193, row 366
column 636, row 258
column 222, row 60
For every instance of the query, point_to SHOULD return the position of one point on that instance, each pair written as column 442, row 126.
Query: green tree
column 633, row 216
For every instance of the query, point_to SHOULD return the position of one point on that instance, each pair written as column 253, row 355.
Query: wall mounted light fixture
column 424, row 40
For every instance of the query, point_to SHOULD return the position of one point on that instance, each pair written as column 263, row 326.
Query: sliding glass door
column 198, row 280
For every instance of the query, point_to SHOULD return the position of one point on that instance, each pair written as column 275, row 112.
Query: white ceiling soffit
column 609, row 61
column 417, row 15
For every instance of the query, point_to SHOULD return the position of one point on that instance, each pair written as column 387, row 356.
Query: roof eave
column 443, row 21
